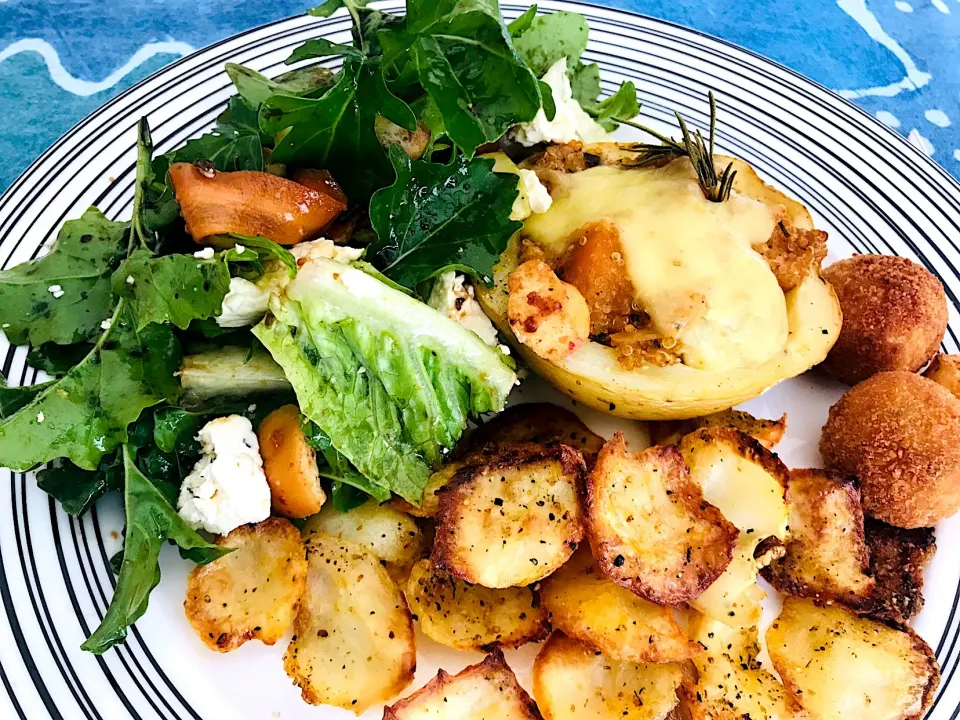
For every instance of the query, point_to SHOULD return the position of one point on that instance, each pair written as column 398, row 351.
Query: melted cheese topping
column 690, row 260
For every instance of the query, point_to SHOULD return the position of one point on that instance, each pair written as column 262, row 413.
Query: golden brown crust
column 829, row 658
column 574, row 682
column 353, row 642
column 899, row 434
column 826, row 556
column 538, row 423
column 470, row 617
column 744, row 445
column 513, row 520
column 897, row 558
column 649, row 526
column 793, row 254
column 768, row 433
column 894, row 316
column 589, row 607
column 222, row 602
column 490, row 691
column 945, row 369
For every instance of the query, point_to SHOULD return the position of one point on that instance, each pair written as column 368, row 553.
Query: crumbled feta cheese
column 451, row 297
column 206, row 254
column 533, row 198
column 244, row 304
column 106, row 324
column 504, row 349
column 227, row 487
column 56, row 291
column 571, row 122
column 130, row 280
column 327, row 250
column 40, row 417
column 240, row 249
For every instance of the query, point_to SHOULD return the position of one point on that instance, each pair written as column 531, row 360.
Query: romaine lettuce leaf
column 387, row 378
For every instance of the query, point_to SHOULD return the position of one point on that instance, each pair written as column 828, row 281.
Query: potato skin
column 680, row 546
column 894, row 316
column 899, row 434
column 488, row 690
column 826, row 555
column 475, row 516
column 220, row 607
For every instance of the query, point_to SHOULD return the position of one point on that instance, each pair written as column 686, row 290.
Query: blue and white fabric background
column 898, row 59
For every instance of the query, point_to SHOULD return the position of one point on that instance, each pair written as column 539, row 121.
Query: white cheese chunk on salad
column 450, row 296
column 227, row 487
column 246, row 302
column 571, row 121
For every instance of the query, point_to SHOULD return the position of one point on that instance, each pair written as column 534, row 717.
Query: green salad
column 151, row 328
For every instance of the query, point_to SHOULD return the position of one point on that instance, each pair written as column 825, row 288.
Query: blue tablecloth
column 899, row 59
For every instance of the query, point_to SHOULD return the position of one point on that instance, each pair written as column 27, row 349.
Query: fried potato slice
column 897, row 558
column 252, row 592
column 766, row 432
column 649, row 526
column 353, row 642
column 844, row 667
column 587, row 606
column 731, row 683
column 486, row 691
column 826, row 557
column 392, row 536
column 513, row 520
column 541, row 423
column 748, row 484
column 574, row 682
column 457, row 614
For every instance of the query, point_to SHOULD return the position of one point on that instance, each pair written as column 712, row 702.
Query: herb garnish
column 716, row 188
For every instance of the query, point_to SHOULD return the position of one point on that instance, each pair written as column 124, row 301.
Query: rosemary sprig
column 715, row 187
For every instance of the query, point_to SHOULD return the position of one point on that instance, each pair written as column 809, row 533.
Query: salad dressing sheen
column 690, row 260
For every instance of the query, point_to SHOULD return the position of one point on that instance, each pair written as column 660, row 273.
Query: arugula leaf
column 320, row 48
column 622, row 105
column 522, row 22
column 56, row 360
column 328, row 8
column 171, row 288
column 254, row 88
column 265, row 249
column 544, row 39
column 462, row 55
column 151, row 520
column 338, row 469
column 441, row 217
column 14, row 398
column 547, row 38
column 336, row 131
column 85, row 414
column 79, row 266
column 77, row 489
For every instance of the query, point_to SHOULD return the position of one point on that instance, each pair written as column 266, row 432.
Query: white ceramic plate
column 871, row 190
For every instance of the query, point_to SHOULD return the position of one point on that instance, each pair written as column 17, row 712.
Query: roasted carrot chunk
column 254, row 203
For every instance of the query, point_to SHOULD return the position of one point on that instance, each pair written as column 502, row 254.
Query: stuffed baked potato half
column 637, row 295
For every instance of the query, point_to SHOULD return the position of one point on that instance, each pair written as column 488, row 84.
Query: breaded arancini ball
column 899, row 433
column 945, row 369
column 894, row 316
